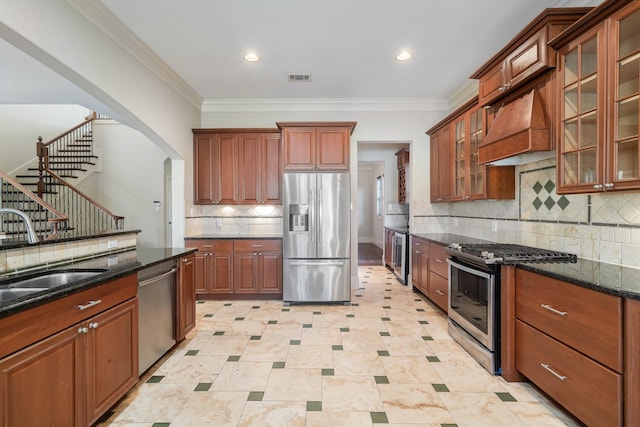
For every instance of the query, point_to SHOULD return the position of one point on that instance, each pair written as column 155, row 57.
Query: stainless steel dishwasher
column 156, row 312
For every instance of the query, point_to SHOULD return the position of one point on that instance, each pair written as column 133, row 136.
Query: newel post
column 43, row 162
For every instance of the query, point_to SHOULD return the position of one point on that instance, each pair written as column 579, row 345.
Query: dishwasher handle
column 156, row 278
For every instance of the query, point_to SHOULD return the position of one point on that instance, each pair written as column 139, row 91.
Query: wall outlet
column 111, row 261
column 455, row 222
column 494, row 226
column 112, row 244
column 218, row 222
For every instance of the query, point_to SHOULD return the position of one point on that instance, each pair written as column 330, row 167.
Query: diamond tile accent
column 440, row 388
column 255, row 396
column 379, row 418
column 537, row 203
column 549, row 186
column 537, row 187
column 155, row 379
column 563, row 202
column 549, row 203
column 314, row 406
column 506, row 397
column 202, row 387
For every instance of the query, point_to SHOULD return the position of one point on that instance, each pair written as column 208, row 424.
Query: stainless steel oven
column 474, row 311
column 399, row 257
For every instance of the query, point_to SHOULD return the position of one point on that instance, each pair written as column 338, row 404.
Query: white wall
column 366, row 202
column 21, row 125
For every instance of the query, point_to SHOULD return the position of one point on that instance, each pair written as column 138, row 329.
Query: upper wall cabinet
column 525, row 57
column 599, row 102
column 237, row 166
column 440, row 162
column 316, row 145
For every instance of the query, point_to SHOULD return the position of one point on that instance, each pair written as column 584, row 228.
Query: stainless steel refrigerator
column 317, row 237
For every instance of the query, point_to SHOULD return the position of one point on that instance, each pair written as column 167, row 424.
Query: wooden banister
column 60, row 216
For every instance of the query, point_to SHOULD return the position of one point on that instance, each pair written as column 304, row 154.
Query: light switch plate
column 455, row 222
column 112, row 244
column 494, row 226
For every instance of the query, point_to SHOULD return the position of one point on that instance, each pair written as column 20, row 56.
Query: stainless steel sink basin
column 7, row 294
column 53, row 279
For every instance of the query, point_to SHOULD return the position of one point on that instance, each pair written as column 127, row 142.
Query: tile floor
column 386, row 359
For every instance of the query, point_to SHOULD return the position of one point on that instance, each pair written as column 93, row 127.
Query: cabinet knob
column 83, row 330
column 608, row 185
column 93, row 325
column 597, row 187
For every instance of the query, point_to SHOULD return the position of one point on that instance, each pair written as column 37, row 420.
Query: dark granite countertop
column 397, row 228
column 234, row 237
column 67, row 236
column 609, row 278
column 116, row 265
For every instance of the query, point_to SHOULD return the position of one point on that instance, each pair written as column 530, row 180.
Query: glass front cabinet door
column 600, row 107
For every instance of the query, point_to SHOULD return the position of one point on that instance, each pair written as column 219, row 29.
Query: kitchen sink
column 7, row 294
column 54, row 279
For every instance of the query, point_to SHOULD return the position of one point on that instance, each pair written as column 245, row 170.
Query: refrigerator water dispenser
column 298, row 217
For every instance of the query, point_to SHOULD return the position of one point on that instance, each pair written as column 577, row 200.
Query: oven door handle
column 469, row 270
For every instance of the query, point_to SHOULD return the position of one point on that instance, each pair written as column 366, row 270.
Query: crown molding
column 323, row 104
column 102, row 18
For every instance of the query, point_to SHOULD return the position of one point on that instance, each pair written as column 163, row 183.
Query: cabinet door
column 333, row 148
column 416, row 268
column 111, row 363
column 204, row 170
column 270, row 272
column 203, row 268
column 491, row 85
column 476, row 170
column 222, row 273
column 424, row 273
column 582, row 127
column 42, row 384
column 388, row 246
column 299, row 148
column 249, row 168
column 186, row 297
column 460, row 158
column 246, row 272
column 226, row 162
column 271, row 169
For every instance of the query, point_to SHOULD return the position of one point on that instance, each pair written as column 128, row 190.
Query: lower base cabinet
column 72, row 377
column 185, row 297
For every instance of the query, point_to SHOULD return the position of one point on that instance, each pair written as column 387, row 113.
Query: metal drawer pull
column 557, row 375
column 548, row 307
column 439, row 260
column 439, row 292
column 90, row 304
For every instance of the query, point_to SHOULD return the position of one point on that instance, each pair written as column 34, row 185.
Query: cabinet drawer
column 592, row 392
column 258, row 246
column 439, row 290
column 419, row 244
column 26, row 327
column 587, row 320
column 211, row 245
column 438, row 262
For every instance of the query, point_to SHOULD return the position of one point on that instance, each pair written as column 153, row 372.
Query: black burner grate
column 507, row 253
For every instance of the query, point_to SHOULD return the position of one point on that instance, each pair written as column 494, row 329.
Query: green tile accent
column 448, row 425
column 381, row 380
column 272, row 322
column 387, row 297
column 423, row 322
column 200, row 302
column 427, row 338
column 385, row 319
column 285, row 309
column 351, row 315
column 385, row 334
column 386, row 307
column 160, row 424
column 208, row 315
column 537, row 187
column 317, row 312
column 306, row 325
column 255, row 337
column 278, row 365
column 255, row 396
column 192, row 352
column 506, row 397
column 328, row 372
column 337, row 347
column 383, row 353
column 563, row 202
column 537, row 203
column 294, row 342
column 255, row 307
column 202, row 387
column 387, row 290
column 233, row 358
column 417, row 300
column 239, row 318
column 364, row 281
column 227, row 304
column 388, row 283
column 549, row 202
column 218, row 333
column 433, row 359
column 420, row 309
column 155, row 379
column 379, row 417
column 440, row 388
column 549, row 186
column 344, row 329
column 355, row 304
column 313, row 405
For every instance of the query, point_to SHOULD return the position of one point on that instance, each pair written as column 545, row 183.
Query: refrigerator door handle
column 293, row 262
column 312, row 214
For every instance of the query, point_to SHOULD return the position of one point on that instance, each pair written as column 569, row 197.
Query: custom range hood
column 519, row 134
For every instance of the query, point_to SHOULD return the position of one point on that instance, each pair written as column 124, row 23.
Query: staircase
column 46, row 194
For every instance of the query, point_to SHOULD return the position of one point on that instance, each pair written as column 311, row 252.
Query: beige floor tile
column 338, row 419
column 284, row 332
column 330, row 321
column 350, row 393
column 242, row 376
column 370, row 324
column 296, row 318
column 319, row 336
column 198, row 369
column 295, row 385
column 354, row 340
column 479, row 410
column 468, row 376
column 156, row 403
column 409, row 370
column 535, row 414
column 413, row 403
column 273, row 414
column 265, row 349
column 310, row 356
column 407, row 346
column 246, row 327
column 224, row 345
column 357, row 362
column 206, row 408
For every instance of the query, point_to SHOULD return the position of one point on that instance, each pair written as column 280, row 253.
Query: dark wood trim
column 508, row 324
column 631, row 361
column 449, row 118
column 201, row 131
column 350, row 125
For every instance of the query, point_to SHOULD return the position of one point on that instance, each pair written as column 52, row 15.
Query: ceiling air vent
column 299, row 77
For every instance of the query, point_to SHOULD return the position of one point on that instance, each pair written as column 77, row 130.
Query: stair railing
column 47, row 220
column 86, row 216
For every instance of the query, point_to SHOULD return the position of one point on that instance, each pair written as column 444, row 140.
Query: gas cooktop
column 506, row 253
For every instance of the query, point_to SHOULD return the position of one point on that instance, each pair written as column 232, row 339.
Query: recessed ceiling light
column 252, row 57
column 404, row 55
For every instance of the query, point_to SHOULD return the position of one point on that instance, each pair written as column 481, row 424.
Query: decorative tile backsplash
column 216, row 220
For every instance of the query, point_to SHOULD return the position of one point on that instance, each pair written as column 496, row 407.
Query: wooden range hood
column 520, row 127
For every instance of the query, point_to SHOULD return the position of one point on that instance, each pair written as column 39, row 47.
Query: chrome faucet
column 31, row 233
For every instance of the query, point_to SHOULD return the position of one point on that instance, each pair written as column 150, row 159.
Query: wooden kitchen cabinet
column 258, row 266
column 388, row 247
column 185, row 297
column 237, row 166
column 599, row 102
column 438, row 276
column 213, row 266
column 526, row 56
column 72, row 364
column 316, row 145
column 402, row 158
column 420, row 264
column 440, row 162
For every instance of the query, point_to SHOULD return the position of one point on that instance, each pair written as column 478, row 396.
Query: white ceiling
column 348, row 46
